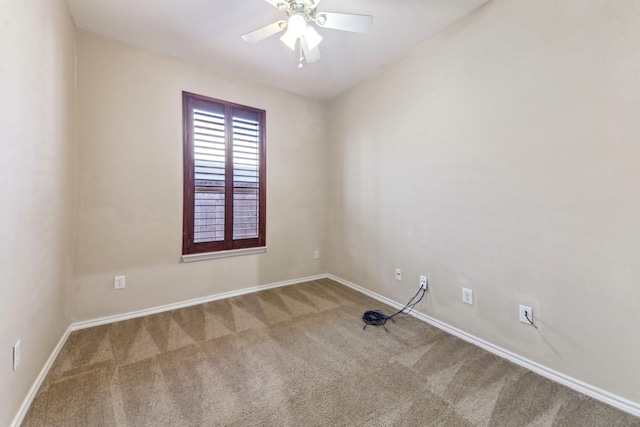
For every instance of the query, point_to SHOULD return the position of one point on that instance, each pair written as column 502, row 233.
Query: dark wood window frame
column 229, row 187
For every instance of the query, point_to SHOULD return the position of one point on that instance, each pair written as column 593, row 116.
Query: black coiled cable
column 378, row 318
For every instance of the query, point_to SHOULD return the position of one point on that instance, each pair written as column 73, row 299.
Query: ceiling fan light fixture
column 312, row 37
column 297, row 24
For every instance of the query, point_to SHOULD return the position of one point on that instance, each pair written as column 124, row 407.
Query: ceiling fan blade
column 264, row 32
column 345, row 21
column 310, row 55
column 275, row 3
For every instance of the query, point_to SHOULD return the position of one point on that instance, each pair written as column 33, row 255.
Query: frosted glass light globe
column 297, row 24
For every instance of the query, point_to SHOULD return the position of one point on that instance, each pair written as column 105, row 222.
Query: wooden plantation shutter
column 209, row 162
column 224, row 176
column 246, row 169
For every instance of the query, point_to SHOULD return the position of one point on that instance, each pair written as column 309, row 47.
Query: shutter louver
column 209, row 158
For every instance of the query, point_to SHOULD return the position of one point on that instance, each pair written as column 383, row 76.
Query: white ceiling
column 208, row 32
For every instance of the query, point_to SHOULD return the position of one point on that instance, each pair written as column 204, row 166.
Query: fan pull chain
column 300, row 64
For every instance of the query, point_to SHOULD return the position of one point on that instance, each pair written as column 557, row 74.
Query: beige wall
column 503, row 156
column 37, row 89
column 130, row 182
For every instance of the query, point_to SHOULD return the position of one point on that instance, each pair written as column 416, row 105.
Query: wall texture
column 37, row 87
column 502, row 156
column 130, row 182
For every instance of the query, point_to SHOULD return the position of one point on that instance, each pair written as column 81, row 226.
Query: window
column 224, row 176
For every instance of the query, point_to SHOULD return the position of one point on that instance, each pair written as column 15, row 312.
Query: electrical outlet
column 423, row 282
column 16, row 355
column 524, row 313
column 467, row 296
column 316, row 255
column 398, row 274
column 119, row 282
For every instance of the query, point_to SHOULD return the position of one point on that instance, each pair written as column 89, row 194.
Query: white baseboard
column 24, row 408
column 580, row 386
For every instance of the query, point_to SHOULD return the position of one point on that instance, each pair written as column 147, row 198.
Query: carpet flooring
column 295, row 356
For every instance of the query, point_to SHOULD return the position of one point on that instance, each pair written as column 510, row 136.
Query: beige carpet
column 295, row 356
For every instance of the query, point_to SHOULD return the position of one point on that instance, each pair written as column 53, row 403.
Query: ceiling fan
column 300, row 15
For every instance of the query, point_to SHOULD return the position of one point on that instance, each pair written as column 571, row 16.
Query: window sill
column 223, row 254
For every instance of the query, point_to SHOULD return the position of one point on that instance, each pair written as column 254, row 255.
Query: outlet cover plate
column 524, row 310
column 119, row 282
column 16, row 355
column 398, row 274
column 467, row 296
column 423, row 282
